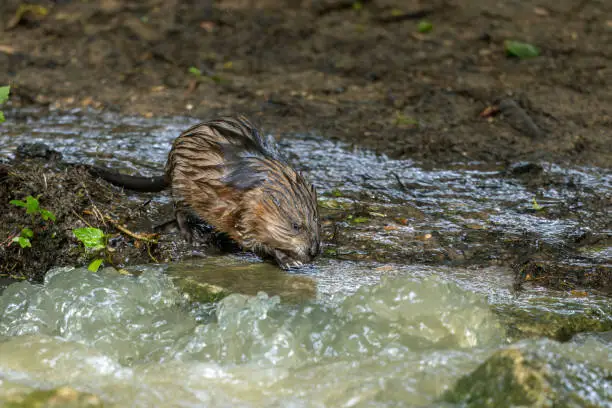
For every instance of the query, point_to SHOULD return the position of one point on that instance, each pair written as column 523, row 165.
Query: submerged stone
column 211, row 279
column 534, row 378
column 556, row 323
column 62, row 397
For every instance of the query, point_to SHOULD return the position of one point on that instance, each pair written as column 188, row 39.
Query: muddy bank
column 358, row 71
column 75, row 199
column 356, row 227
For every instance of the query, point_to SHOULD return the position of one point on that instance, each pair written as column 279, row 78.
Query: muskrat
column 233, row 179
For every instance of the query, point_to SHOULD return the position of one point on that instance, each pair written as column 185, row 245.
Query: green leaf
column 195, row 71
column 32, row 205
column 520, row 49
column 357, row 5
column 424, row 26
column 536, row 206
column 92, row 238
column 4, row 93
column 46, row 214
column 359, row 220
column 18, row 203
column 26, row 232
column 23, row 242
column 2, row 119
column 95, row 265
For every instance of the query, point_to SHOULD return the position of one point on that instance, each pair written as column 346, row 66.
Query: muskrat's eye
column 296, row 227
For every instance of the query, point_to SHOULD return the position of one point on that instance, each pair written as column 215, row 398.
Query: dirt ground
column 355, row 70
column 358, row 71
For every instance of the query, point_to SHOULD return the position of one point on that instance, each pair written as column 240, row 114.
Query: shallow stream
column 352, row 330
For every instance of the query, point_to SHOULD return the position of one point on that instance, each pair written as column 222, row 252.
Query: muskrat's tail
column 136, row 183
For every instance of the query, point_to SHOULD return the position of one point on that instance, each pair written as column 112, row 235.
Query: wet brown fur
column 226, row 173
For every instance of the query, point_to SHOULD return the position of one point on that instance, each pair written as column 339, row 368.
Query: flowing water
column 346, row 332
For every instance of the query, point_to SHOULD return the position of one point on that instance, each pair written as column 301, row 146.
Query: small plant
column 424, row 26
column 195, row 72
column 520, row 49
column 4, row 95
column 23, row 239
column 32, row 207
column 94, row 240
column 199, row 76
column 536, row 206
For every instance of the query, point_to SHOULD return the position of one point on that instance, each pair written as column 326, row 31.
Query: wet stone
column 521, row 377
column 524, row 169
column 39, row 150
column 560, row 325
column 63, row 397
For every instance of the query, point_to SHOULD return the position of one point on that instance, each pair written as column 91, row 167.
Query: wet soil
column 355, row 70
column 75, row 199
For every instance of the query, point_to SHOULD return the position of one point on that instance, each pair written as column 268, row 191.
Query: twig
column 150, row 254
column 81, row 218
column 8, row 241
column 148, row 238
column 96, row 212
column 99, row 214
column 402, row 185
column 8, row 275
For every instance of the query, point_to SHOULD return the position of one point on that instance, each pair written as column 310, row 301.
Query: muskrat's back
column 235, row 180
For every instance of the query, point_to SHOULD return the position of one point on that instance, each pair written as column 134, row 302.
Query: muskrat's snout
column 296, row 259
column 291, row 260
column 314, row 250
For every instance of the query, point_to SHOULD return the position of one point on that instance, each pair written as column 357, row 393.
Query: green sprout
column 4, row 95
column 424, row 26
column 536, row 206
column 195, row 72
column 23, row 239
column 520, row 49
column 94, row 240
column 32, row 207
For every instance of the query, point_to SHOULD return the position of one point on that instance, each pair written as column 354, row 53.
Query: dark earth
column 357, row 71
